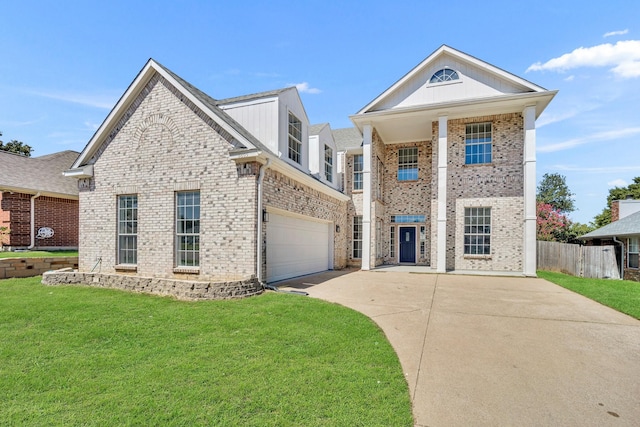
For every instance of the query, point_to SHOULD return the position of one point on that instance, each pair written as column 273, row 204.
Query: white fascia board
column 463, row 108
column 85, row 171
column 286, row 169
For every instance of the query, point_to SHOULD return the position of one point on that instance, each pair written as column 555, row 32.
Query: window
column 358, row 167
column 357, row 237
column 188, row 229
column 380, row 180
column 378, row 239
column 444, row 75
column 478, row 144
column 128, row 229
column 408, row 218
column 295, row 138
column 423, row 241
column 408, row 164
column 328, row 163
column 632, row 252
column 477, row 231
column 392, row 242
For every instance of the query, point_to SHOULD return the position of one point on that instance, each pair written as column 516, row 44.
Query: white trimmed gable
column 320, row 137
column 477, row 80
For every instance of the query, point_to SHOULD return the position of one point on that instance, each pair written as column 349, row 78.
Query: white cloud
column 601, row 169
column 570, row 78
column 98, row 101
column 623, row 57
column 304, row 88
column 617, row 183
column 601, row 136
column 615, row 33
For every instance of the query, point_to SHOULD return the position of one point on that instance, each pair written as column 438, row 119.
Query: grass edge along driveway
column 621, row 295
column 86, row 356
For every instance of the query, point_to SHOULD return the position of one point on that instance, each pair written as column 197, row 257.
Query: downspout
column 621, row 257
column 33, row 220
column 259, row 239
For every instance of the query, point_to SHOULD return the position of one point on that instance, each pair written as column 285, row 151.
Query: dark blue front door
column 407, row 244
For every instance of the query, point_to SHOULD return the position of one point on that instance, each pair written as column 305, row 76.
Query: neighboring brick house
column 38, row 204
column 439, row 171
column 624, row 234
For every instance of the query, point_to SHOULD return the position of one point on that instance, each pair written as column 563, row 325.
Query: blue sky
column 64, row 64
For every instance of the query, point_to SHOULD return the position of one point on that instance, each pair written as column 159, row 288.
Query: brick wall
column 615, row 210
column 59, row 214
column 503, row 177
column 165, row 144
column 29, row 267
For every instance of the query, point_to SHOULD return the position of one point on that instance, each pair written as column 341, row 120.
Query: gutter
column 33, row 220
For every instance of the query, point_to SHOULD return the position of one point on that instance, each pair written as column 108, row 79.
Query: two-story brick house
column 445, row 175
column 439, row 170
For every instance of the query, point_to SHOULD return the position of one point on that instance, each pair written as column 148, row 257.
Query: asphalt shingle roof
column 347, row 138
column 38, row 174
column 252, row 96
column 627, row 226
column 315, row 129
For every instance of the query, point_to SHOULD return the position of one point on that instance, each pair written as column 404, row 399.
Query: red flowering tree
column 551, row 223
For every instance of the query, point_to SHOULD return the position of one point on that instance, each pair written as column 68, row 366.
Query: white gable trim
column 150, row 68
column 444, row 49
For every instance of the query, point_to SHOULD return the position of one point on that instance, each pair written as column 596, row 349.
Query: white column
column 366, row 197
column 441, row 253
column 529, row 114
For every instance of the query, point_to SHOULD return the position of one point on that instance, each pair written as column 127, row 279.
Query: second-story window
column 295, row 138
column 358, row 167
column 328, row 163
column 478, row 144
column 408, row 164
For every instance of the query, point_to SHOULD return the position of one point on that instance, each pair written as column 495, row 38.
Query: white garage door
column 296, row 246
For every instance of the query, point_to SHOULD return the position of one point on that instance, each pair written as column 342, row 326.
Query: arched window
column 444, row 75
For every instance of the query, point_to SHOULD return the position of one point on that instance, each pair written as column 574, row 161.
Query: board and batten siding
column 259, row 118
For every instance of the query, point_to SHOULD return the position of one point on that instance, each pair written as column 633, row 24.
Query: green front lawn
column 621, row 295
column 37, row 254
column 94, row 357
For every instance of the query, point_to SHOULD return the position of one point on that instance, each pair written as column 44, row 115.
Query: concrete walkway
column 480, row 350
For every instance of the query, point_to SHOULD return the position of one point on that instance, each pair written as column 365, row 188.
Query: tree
column 16, row 147
column 553, row 190
column 551, row 223
column 617, row 193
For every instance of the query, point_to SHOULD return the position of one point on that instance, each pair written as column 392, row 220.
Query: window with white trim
column 408, row 164
column 128, row 229
column 477, row 231
column 378, row 239
column 478, row 146
column 357, row 237
column 633, row 248
column 295, row 138
column 379, row 179
column 444, row 75
column 358, row 167
column 188, row 229
column 392, row 242
column 423, row 241
column 328, row 163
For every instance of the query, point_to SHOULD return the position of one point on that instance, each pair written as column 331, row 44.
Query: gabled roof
column 627, row 226
column 253, row 96
column 445, row 50
column 346, row 138
column 206, row 103
column 43, row 174
column 316, row 129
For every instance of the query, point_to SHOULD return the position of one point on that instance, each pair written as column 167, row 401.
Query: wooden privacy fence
column 597, row 262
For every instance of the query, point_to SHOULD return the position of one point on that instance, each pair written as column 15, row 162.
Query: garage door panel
column 295, row 247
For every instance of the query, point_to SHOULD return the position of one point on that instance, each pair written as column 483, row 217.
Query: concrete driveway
column 480, row 350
